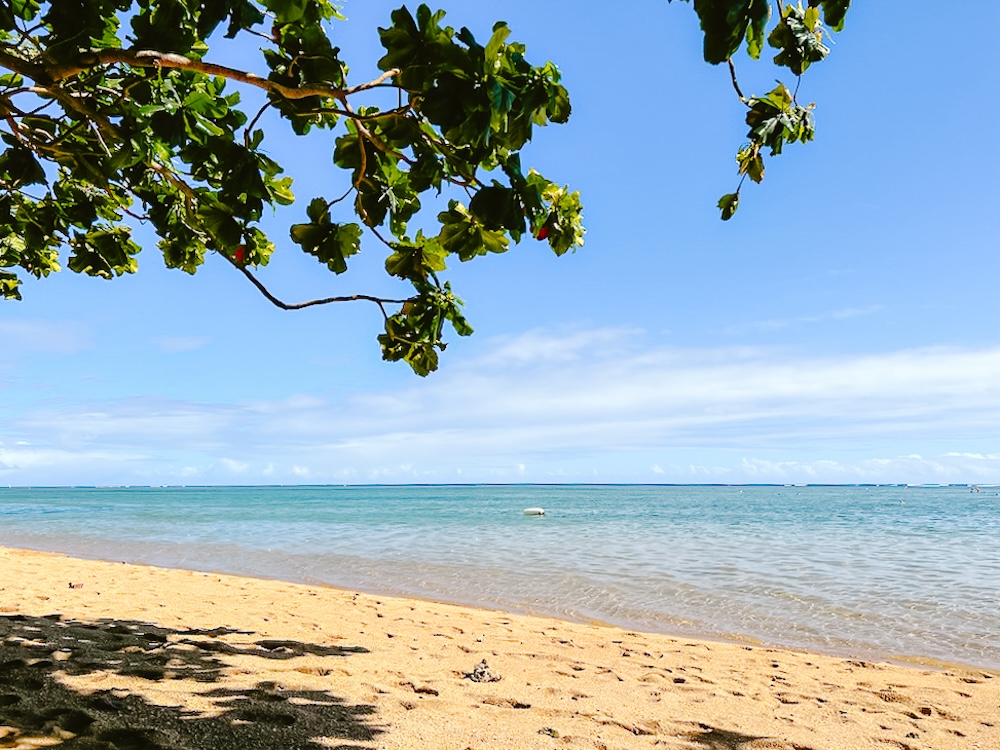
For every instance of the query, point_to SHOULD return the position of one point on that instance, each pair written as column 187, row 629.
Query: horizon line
column 913, row 485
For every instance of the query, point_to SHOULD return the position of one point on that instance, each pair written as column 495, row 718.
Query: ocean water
column 866, row 572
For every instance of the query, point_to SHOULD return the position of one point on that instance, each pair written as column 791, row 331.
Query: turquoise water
column 869, row 572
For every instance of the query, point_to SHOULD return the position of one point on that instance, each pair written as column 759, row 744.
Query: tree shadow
column 712, row 738
column 33, row 703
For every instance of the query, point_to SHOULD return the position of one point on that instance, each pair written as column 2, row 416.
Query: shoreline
column 268, row 663
column 866, row 652
column 842, row 573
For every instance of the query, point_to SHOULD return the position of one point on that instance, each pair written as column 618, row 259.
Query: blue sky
column 843, row 327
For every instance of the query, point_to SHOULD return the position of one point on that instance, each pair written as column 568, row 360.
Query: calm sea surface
column 861, row 571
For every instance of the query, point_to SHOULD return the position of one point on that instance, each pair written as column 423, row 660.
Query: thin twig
column 382, row 239
column 398, row 111
column 141, row 218
column 97, row 132
column 335, row 201
column 248, row 128
column 736, row 85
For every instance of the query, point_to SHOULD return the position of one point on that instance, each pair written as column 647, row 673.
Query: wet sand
column 102, row 655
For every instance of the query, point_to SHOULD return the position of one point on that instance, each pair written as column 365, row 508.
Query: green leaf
column 26, row 10
column 9, row 284
column 416, row 261
column 414, row 333
column 220, row 224
column 286, row 11
column 185, row 253
column 750, row 162
column 799, row 36
column 725, row 24
column 331, row 243
column 19, row 167
column 834, row 12
column 496, row 208
column 104, row 252
column 562, row 223
column 729, row 203
column 756, row 29
column 466, row 237
column 243, row 15
column 281, row 191
column 493, row 47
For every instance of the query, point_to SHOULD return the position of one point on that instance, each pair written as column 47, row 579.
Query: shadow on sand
column 719, row 739
column 33, row 703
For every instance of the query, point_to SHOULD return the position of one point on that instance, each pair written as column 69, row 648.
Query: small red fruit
column 240, row 254
column 542, row 233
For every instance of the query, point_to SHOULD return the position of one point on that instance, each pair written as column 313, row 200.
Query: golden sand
column 117, row 656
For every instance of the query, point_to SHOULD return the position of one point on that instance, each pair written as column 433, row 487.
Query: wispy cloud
column 604, row 400
column 149, row 422
column 174, row 344
column 844, row 313
column 43, row 336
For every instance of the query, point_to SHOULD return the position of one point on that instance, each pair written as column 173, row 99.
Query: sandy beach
column 104, row 655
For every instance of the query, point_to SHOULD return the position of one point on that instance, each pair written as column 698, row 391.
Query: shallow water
column 862, row 571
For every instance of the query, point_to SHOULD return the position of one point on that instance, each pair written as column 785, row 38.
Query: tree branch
column 35, row 71
column 154, row 59
column 372, row 84
column 380, row 301
column 78, row 105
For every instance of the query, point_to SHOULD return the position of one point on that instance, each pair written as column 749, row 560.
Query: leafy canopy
column 776, row 118
column 106, row 122
column 113, row 112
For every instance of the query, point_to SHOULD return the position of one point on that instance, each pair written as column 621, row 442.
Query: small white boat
column 534, row 511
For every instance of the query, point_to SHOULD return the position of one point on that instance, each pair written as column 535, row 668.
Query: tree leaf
column 331, row 243
column 729, row 203
column 415, row 262
column 834, row 12
column 104, row 252
column 9, row 285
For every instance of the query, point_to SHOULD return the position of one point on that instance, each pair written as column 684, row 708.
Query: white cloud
column 234, row 467
column 40, row 461
column 601, row 400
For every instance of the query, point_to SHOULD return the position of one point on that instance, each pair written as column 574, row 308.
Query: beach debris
column 421, row 689
column 505, row 702
column 482, row 673
column 549, row 731
column 75, row 585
